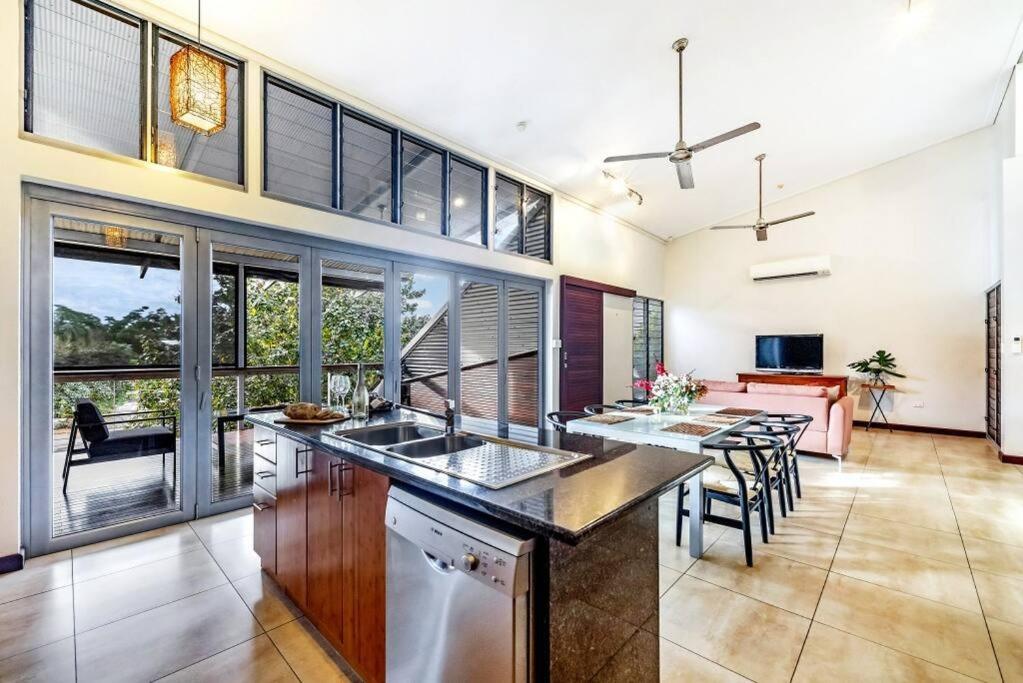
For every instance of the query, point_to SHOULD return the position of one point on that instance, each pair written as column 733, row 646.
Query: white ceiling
column 838, row 86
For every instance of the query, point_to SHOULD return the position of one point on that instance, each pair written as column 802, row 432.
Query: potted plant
column 670, row 393
column 877, row 366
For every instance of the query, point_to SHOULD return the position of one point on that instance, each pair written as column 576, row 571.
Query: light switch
column 1017, row 345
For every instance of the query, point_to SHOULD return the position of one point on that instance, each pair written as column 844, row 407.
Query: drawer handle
column 304, row 452
column 342, row 468
column 264, row 442
column 264, row 475
column 260, row 507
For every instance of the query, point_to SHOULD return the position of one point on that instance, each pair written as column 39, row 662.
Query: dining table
column 690, row 432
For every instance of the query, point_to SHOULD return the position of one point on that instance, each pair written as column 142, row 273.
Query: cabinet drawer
column 264, row 474
column 264, row 443
column 264, row 526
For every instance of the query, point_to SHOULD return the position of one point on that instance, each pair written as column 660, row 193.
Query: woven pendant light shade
column 198, row 91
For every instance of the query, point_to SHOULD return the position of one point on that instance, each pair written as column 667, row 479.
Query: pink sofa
column 831, row 428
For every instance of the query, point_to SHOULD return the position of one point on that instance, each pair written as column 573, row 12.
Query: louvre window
column 83, row 73
column 217, row 156
column 366, row 168
column 523, row 219
column 647, row 339
column 422, row 187
column 298, row 145
column 467, row 214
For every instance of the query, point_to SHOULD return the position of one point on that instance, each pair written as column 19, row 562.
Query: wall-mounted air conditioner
column 811, row 266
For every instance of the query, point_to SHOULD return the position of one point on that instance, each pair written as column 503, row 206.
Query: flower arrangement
column 671, row 393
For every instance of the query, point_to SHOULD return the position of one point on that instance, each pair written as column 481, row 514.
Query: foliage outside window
column 647, row 340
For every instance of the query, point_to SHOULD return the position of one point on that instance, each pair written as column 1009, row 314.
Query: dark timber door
column 994, row 364
column 582, row 341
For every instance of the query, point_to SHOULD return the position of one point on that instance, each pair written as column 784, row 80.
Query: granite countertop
column 566, row 504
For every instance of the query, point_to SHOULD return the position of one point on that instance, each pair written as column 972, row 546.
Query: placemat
column 608, row 418
column 745, row 412
column 690, row 429
column 642, row 410
column 715, row 418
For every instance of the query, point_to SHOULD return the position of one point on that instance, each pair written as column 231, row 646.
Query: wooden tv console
column 840, row 381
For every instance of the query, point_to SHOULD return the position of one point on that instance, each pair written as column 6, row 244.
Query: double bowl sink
column 490, row 462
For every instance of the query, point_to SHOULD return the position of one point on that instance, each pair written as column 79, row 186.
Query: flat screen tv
column 790, row 353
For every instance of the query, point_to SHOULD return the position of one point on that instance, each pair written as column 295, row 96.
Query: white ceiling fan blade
column 637, row 157
column 733, row 227
column 791, row 218
column 685, row 175
column 724, row 137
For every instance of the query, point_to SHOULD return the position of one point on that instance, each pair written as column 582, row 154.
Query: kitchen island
column 320, row 531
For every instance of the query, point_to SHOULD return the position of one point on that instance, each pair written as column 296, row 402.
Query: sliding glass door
column 111, row 409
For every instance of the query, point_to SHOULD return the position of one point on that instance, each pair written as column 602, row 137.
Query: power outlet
column 918, row 404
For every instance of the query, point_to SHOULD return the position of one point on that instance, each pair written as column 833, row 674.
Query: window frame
column 155, row 34
column 548, row 231
column 645, row 300
column 148, row 92
column 445, row 182
column 484, row 196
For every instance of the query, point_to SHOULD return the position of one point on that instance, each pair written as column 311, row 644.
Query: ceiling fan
column 761, row 225
column 683, row 153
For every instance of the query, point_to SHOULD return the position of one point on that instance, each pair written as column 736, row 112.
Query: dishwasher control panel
column 450, row 549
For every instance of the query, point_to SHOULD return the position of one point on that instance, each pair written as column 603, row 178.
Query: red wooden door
column 582, row 347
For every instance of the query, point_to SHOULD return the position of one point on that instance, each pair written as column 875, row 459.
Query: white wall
column 1011, row 274
column 617, row 347
column 910, row 262
column 586, row 242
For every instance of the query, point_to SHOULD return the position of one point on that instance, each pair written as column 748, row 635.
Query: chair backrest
column 560, row 418
column 793, row 419
column 760, row 446
column 598, row 408
column 90, row 421
column 630, row 402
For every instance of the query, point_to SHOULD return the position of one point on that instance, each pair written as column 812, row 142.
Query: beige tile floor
column 906, row 565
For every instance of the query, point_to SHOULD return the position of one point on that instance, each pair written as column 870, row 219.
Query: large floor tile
column 776, row 580
column 677, row 557
column 909, row 509
column 269, row 604
column 939, row 633
column 53, row 663
column 163, row 640
column 115, row 596
column 825, row 516
column 225, row 527
column 1008, row 641
column 130, row 551
column 236, row 557
column 255, row 661
column 730, row 629
column 921, row 576
column 1001, row 596
column 937, row 545
column 994, row 557
column 679, row 665
column 835, row 656
column 35, row 621
column 308, row 654
column 795, row 542
column 38, row 575
column 666, row 576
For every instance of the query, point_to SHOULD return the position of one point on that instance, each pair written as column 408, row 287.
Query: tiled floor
column 907, row 565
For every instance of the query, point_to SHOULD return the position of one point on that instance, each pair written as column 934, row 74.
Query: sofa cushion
column 718, row 385
column 787, row 390
column 814, row 406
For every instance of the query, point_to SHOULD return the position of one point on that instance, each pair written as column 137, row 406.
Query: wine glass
column 342, row 385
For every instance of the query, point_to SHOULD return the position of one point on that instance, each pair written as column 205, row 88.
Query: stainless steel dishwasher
column 458, row 596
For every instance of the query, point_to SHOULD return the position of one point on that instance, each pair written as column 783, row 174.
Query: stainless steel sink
column 388, row 435
column 440, row 445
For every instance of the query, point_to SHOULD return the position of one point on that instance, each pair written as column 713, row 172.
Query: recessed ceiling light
column 522, row 126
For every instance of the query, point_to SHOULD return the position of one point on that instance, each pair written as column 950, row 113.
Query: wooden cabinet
column 323, row 538
column 292, row 464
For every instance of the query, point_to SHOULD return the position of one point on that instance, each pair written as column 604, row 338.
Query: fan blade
column 733, row 227
column 637, row 157
column 748, row 128
column 685, row 175
column 791, row 218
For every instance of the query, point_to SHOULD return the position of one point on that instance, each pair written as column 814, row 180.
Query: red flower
column 660, row 369
column 644, row 384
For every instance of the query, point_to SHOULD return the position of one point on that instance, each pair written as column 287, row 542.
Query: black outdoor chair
column 100, row 444
column 790, row 460
column 631, row 402
column 560, row 418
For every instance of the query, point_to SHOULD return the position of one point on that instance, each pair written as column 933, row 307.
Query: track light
column 619, row 186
